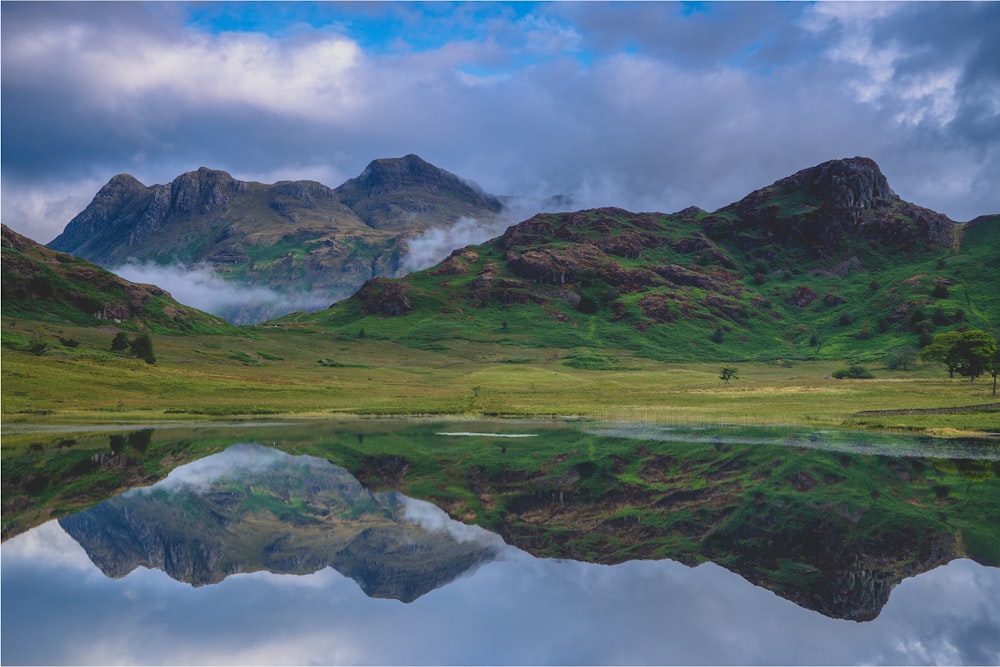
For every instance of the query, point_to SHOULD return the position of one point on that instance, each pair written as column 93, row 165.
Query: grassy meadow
column 306, row 372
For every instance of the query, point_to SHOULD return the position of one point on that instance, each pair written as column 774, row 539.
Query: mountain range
column 826, row 263
column 289, row 237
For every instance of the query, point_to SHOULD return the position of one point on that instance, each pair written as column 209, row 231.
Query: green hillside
column 48, row 286
column 675, row 288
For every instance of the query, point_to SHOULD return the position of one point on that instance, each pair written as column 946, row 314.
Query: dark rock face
column 817, row 208
column 388, row 298
column 127, row 213
column 855, row 184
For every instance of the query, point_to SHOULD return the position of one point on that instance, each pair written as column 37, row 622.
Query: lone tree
column 728, row 373
column 142, row 347
column 901, row 359
column 120, row 342
column 939, row 350
column 994, row 368
column 968, row 353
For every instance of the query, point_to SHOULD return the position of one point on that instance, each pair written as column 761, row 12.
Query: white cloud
column 315, row 78
column 42, row 210
column 432, row 518
column 927, row 96
column 234, row 462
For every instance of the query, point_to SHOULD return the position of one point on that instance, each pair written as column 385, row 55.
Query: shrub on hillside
column 901, row 360
column 853, row 372
column 120, row 342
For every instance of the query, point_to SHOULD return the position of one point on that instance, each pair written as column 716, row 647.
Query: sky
column 647, row 106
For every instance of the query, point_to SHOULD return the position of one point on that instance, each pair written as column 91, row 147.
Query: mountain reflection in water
column 818, row 522
column 251, row 508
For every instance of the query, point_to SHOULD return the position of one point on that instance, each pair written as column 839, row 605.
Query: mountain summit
column 819, row 208
column 400, row 192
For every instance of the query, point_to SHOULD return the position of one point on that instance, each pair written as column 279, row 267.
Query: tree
column 975, row 350
column 142, row 347
column 901, row 359
column 939, row 350
column 853, row 372
column 968, row 353
column 728, row 373
column 994, row 368
column 120, row 342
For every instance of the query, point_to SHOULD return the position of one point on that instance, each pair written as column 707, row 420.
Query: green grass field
column 307, row 372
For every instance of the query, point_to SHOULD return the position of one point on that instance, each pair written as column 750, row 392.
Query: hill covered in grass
column 827, row 263
column 48, row 286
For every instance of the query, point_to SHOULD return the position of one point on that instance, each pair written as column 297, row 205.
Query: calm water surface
column 255, row 556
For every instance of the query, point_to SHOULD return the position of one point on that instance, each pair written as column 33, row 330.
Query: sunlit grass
column 197, row 377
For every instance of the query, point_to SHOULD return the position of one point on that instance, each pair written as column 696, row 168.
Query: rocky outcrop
column 407, row 192
column 820, row 207
column 801, row 296
column 381, row 296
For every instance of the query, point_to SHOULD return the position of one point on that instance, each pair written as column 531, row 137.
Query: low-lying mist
column 202, row 288
column 435, row 244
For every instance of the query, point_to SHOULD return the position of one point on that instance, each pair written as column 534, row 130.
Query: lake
column 607, row 544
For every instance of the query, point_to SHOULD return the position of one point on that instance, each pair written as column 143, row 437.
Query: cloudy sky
column 647, row 106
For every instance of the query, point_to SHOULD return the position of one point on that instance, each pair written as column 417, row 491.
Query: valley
column 743, row 387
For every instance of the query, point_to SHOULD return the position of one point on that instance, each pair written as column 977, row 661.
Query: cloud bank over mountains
column 645, row 106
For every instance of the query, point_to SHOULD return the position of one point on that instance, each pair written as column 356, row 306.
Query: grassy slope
column 862, row 328
column 57, row 288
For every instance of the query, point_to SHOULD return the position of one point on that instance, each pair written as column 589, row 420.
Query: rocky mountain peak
column 203, row 190
column 390, row 175
column 853, row 183
column 395, row 192
column 407, row 170
column 121, row 186
column 820, row 207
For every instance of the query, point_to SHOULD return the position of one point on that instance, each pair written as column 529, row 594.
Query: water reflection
column 59, row 609
column 253, row 555
column 252, row 508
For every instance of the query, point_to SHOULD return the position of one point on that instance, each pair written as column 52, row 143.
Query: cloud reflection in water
column 516, row 610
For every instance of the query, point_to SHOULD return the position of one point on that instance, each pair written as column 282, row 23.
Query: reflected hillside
column 831, row 520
